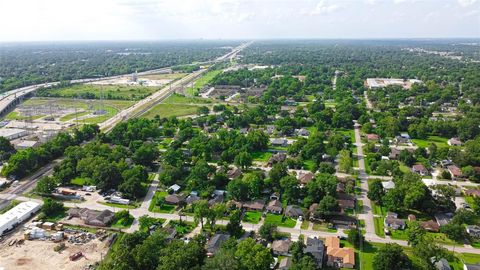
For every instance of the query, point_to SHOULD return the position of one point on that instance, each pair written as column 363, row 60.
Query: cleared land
column 177, row 105
column 439, row 141
column 165, row 76
column 92, row 91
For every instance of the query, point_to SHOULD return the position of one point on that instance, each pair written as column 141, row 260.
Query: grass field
column 279, row 221
column 252, row 217
column 79, row 181
column 92, row 91
column 182, row 227
column 17, row 116
column 378, row 222
column 201, row 82
column 122, row 223
column 176, row 98
column 439, row 141
column 168, row 110
column 164, row 208
column 261, row 156
column 322, row 227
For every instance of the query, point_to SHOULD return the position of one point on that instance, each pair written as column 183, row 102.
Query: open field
column 439, row 141
column 92, row 91
column 280, row 221
column 252, row 217
column 40, row 255
column 168, row 110
column 201, row 82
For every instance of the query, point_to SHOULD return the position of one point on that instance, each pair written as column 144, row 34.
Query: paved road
column 367, row 213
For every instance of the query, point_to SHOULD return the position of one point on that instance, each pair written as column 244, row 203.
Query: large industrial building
column 17, row 215
column 383, row 82
column 12, row 133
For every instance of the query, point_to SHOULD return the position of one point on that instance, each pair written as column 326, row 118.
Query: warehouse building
column 12, row 133
column 17, row 215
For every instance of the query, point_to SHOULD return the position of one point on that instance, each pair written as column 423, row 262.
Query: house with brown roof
column 372, row 137
column 454, row 142
column 281, row 247
column 174, row 199
column 394, row 153
column 430, row 226
column 305, row 177
column 257, row 205
column 276, row 158
column 345, row 201
column 274, row 207
column 92, row 217
column 419, row 169
column 339, row 257
column 392, row 222
column 234, row 173
column 455, row 172
column 472, row 192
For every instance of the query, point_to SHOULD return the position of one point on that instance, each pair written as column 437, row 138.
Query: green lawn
column 280, row 221
column 309, row 164
column 322, row 227
column 81, row 181
column 305, row 225
column 168, row 110
column 164, row 208
column 252, row 217
column 378, row 222
column 202, row 81
column 122, row 223
column 122, row 206
column 15, row 115
column 261, row 156
column 93, row 91
column 176, row 98
column 439, row 141
column 182, row 227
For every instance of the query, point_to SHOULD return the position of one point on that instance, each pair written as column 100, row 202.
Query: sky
column 55, row 20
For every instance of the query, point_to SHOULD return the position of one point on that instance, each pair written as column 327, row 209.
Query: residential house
column 399, row 140
column 302, row 132
column 442, row 264
column 279, row 142
column 455, row 172
column 372, row 137
column 430, row 226
column 293, row 211
column 454, row 142
column 191, row 199
column 388, row 185
column 316, row 248
column 305, row 177
column 392, row 222
column 234, row 173
column 92, row 217
column 443, row 218
column 214, row 244
column 473, row 231
column 174, row 188
column 394, row 153
column 339, row 257
column 274, row 207
column 174, row 199
column 343, row 221
column 345, row 201
column 216, row 199
column 420, row 169
column 472, row 192
column 281, row 247
column 275, row 196
column 256, row 205
column 277, row 158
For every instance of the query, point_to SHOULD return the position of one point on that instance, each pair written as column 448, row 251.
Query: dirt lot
column 38, row 255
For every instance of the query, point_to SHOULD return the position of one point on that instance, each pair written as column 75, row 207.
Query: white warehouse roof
column 17, row 214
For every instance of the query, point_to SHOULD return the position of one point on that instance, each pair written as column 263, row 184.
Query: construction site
column 46, row 245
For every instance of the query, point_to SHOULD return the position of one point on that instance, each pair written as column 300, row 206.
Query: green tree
column 201, row 210
column 354, row 237
column 234, row 226
column 327, row 206
column 345, row 161
column 51, row 208
column 244, row 160
column 253, row 256
column 46, row 185
column 389, row 257
column 416, row 233
column 376, row 191
column 267, row 231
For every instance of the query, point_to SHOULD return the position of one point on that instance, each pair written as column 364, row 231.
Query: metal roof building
column 17, row 214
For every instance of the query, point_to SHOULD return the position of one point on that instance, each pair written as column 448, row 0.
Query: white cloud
column 466, row 3
column 323, row 7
